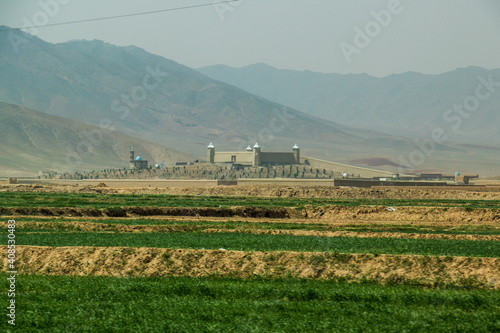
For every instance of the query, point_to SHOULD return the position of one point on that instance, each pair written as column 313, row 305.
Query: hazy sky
column 333, row 36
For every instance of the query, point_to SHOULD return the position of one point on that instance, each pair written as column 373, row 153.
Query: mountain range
column 154, row 99
column 33, row 141
column 409, row 104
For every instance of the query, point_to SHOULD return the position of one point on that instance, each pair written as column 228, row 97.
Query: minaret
column 296, row 153
column 132, row 155
column 211, row 153
column 256, row 155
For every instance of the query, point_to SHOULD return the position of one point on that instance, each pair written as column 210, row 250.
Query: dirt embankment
column 484, row 193
column 255, row 212
column 325, row 214
column 119, row 261
column 453, row 215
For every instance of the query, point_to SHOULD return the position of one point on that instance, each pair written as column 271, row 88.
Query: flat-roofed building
column 253, row 156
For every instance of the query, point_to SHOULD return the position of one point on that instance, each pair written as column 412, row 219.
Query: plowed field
column 420, row 238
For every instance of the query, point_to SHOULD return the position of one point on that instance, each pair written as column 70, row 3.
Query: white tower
column 211, row 153
column 296, row 153
column 256, row 155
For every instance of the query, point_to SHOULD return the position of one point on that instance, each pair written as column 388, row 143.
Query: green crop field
column 82, row 200
column 256, row 242
column 61, row 223
column 106, row 304
column 454, row 299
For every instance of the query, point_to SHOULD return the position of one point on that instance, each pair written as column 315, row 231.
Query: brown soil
column 118, row 261
column 323, row 214
column 486, row 193
column 274, row 212
column 439, row 215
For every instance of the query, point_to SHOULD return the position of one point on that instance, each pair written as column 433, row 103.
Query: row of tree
column 202, row 171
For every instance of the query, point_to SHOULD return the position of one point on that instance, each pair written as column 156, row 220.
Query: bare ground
column 470, row 193
column 119, row 261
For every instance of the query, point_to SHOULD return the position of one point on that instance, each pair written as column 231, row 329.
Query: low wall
column 139, row 182
column 241, row 182
column 227, row 182
column 195, row 183
column 286, row 182
column 370, row 183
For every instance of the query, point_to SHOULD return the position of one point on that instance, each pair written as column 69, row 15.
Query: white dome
column 296, row 147
column 256, row 145
column 249, row 148
column 211, row 145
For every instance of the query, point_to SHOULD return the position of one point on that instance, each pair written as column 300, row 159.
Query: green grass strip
column 94, row 200
column 256, row 242
column 201, row 224
column 107, row 304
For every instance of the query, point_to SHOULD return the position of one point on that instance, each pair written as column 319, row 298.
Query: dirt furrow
column 325, row 214
column 119, row 261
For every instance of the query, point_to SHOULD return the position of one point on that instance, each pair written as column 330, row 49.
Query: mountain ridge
column 161, row 101
column 409, row 104
column 33, row 141
column 185, row 98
